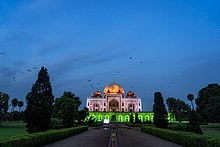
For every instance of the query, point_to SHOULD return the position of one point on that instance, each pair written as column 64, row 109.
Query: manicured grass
column 13, row 124
column 212, row 130
column 12, row 128
column 10, row 132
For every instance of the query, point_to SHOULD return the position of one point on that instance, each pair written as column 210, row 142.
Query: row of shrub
column 183, row 138
column 136, row 125
column 41, row 138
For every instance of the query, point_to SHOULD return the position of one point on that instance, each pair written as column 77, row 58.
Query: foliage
column 136, row 125
column 66, row 108
column 136, row 119
column 91, row 120
column 190, row 97
column 14, row 116
column 177, row 107
column 131, row 118
column 20, row 104
column 14, row 103
column 187, row 139
column 160, row 112
column 178, row 127
column 82, row 114
column 208, row 103
column 42, row 138
column 193, row 123
column 56, row 123
column 39, row 104
column 4, row 97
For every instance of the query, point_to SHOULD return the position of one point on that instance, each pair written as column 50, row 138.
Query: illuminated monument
column 115, row 105
column 114, row 100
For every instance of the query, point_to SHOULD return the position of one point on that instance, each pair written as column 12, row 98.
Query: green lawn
column 12, row 128
column 212, row 130
column 9, row 132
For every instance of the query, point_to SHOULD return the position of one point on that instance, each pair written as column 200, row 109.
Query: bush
column 184, row 138
column 178, row 127
column 42, row 138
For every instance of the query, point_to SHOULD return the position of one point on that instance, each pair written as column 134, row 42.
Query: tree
column 83, row 114
column 208, row 103
column 14, row 103
column 20, row 104
column 66, row 108
column 4, row 97
column 177, row 108
column 190, row 97
column 160, row 112
column 131, row 118
column 136, row 118
column 39, row 104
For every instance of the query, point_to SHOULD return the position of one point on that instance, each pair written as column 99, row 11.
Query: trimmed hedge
column 137, row 125
column 41, row 138
column 183, row 138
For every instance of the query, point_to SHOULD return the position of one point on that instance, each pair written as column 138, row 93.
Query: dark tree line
column 43, row 112
column 160, row 112
column 208, row 103
column 4, row 106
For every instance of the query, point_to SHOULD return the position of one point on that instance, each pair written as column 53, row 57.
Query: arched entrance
column 113, row 105
column 113, row 118
column 131, row 107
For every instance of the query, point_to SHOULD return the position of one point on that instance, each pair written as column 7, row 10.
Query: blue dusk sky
column 171, row 46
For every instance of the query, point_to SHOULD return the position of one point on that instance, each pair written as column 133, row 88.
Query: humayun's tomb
column 115, row 105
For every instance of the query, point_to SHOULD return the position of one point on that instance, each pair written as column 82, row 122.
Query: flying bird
column 14, row 78
column 28, row 70
column 34, row 67
column 89, row 80
column 130, row 57
column 3, row 53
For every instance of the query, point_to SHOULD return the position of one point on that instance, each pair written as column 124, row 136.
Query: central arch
column 113, row 105
column 113, row 118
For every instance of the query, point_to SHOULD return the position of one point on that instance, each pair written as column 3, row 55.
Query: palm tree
column 14, row 103
column 190, row 97
column 20, row 104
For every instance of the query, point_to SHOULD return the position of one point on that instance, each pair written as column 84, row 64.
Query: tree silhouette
column 208, row 103
column 131, row 118
column 20, row 104
column 14, row 103
column 190, row 97
column 66, row 108
column 39, row 104
column 177, row 107
column 160, row 112
column 4, row 97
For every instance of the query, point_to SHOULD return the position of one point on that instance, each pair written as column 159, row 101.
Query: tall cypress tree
column 160, row 112
column 39, row 104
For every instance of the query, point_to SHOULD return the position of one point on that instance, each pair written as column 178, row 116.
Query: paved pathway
column 91, row 138
column 132, row 137
column 136, row 138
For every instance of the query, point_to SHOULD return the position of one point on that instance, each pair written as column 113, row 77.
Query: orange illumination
column 113, row 89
